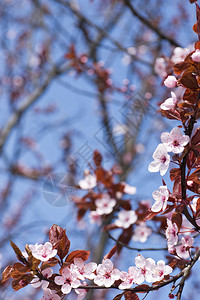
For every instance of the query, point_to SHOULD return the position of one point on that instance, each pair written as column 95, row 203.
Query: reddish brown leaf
column 97, row 157
column 59, row 240
column 180, row 67
column 50, row 263
column 198, row 208
column 128, row 295
column 18, row 252
column 7, row 273
column 150, row 214
column 177, row 218
column 118, row 297
column 141, row 288
column 198, row 19
column 174, row 173
column 21, row 282
column 77, row 254
column 111, row 252
column 177, row 187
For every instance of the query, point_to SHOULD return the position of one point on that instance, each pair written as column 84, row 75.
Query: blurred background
column 76, row 76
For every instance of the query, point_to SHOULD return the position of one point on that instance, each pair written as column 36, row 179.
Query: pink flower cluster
column 146, row 269
column 174, row 142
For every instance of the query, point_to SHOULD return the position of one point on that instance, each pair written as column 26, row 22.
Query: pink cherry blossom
column 160, row 67
column 84, row 270
column 106, row 274
column 161, row 198
column 89, row 182
column 196, row 56
column 179, row 54
column 161, row 270
column 36, row 282
column 183, row 249
column 81, row 292
column 147, row 267
column 128, row 189
column 50, row 295
column 170, row 81
column 169, row 103
column 95, row 218
column 161, row 160
column 105, row 205
column 141, row 232
column 175, row 141
column 126, row 218
column 68, row 280
column 128, row 279
column 171, row 233
column 43, row 252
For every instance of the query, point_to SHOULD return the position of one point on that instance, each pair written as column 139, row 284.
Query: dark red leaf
column 77, row 254
column 59, row 240
column 177, row 218
column 111, row 252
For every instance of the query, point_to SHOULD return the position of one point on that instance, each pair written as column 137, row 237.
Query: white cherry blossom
column 161, row 198
column 170, row 81
column 160, row 67
column 84, row 270
column 43, row 252
column 183, row 249
column 128, row 279
column 171, row 233
column 147, row 267
column 161, row 270
column 89, row 182
column 141, row 232
column 105, row 205
column 196, row 56
column 169, row 103
column 50, row 295
column 175, row 140
column 36, row 282
column 126, row 218
column 161, row 160
column 68, row 280
column 129, row 189
column 106, row 274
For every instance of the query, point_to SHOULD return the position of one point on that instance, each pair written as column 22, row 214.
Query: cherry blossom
column 175, row 141
column 196, row 56
column 147, row 267
column 169, row 103
column 95, row 218
column 36, row 282
column 160, row 67
column 128, row 279
column 161, row 198
column 183, row 249
column 126, row 218
column 84, row 271
column 89, row 182
column 50, row 295
column 161, row 160
column 105, row 205
column 170, row 81
column 81, row 292
column 106, row 274
column 68, row 280
column 171, row 233
column 179, row 54
column 43, row 252
column 128, row 189
column 120, row 129
column 141, row 232
column 161, row 270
